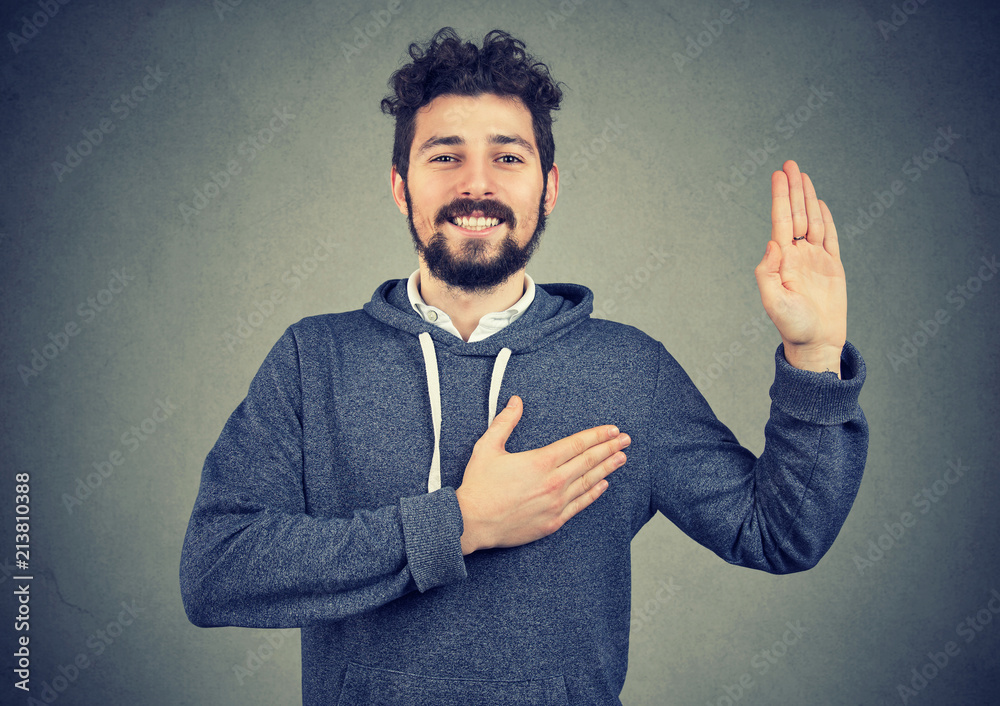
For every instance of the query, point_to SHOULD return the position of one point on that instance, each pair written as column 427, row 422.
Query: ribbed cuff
column 432, row 530
column 819, row 398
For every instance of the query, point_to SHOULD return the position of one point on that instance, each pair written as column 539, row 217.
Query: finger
column 830, row 240
column 594, row 475
column 800, row 222
column 591, row 461
column 583, row 501
column 781, row 210
column 813, row 212
column 559, row 452
column 768, row 275
column 503, row 424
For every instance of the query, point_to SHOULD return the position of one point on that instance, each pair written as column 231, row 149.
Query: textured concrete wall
column 126, row 275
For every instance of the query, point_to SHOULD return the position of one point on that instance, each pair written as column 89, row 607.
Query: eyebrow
column 451, row 140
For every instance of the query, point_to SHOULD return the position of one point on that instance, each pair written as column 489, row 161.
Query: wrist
column 468, row 544
column 471, row 531
column 817, row 359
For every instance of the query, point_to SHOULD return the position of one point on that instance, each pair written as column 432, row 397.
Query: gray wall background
column 641, row 220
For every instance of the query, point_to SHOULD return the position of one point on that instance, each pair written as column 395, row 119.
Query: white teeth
column 480, row 223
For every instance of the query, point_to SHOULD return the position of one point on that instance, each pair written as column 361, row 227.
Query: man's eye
column 510, row 159
column 444, row 158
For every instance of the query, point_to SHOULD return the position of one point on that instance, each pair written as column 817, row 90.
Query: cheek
column 421, row 208
column 528, row 207
column 427, row 201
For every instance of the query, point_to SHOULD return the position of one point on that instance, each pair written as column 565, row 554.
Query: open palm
column 801, row 279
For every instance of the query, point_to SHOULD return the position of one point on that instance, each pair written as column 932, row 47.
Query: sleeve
column 253, row 557
column 782, row 511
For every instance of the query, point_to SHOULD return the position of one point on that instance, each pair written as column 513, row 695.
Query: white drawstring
column 434, row 392
column 498, row 370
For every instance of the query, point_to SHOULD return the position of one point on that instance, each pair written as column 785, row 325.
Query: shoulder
column 323, row 327
column 345, row 334
column 624, row 337
column 632, row 348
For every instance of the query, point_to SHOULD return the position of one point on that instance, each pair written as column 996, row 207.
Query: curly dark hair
column 447, row 66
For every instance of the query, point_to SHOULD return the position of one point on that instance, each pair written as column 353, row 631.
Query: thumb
column 504, row 423
column 768, row 275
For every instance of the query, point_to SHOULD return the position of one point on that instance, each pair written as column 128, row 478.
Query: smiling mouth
column 474, row 223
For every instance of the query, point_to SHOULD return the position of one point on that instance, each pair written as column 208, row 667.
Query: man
column 434, row 554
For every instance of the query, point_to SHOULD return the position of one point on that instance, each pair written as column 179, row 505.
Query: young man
column 434, row 554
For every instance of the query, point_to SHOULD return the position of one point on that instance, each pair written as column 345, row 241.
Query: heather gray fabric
column 313, row 510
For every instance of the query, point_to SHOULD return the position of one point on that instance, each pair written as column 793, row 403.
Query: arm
column 781, row 512
column 252, row 557
column 778, row 513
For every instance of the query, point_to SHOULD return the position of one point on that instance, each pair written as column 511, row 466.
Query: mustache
column 490, row 208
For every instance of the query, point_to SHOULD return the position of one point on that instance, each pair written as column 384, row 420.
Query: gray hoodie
column 328, row 502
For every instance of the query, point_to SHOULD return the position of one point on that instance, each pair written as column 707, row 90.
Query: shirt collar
column 488, row 325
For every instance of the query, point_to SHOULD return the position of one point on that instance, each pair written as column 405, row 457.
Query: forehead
column 473, row 117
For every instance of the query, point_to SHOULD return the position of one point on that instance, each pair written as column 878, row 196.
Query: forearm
column 782, row 511
column 275, row 568
column 816, row 442
column 270, row 569
column 805, row 483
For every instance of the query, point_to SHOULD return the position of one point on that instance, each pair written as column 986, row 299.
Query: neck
column 466, row 308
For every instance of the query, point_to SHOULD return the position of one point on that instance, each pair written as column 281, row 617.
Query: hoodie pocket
column 384, row 687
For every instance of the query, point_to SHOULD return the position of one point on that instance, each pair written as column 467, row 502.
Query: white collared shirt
column 488, row 324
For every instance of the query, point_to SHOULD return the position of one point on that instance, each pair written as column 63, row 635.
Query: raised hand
column 801, row 279
column 511, row 499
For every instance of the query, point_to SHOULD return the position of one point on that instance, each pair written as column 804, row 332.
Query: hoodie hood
column 556, row 309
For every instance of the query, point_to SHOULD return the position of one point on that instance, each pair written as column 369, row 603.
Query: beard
column 471, row 268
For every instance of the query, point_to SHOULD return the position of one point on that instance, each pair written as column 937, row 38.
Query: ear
column 551, row 189
column 398, row 190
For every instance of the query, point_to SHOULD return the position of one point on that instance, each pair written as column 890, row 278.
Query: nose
column 476, row 180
